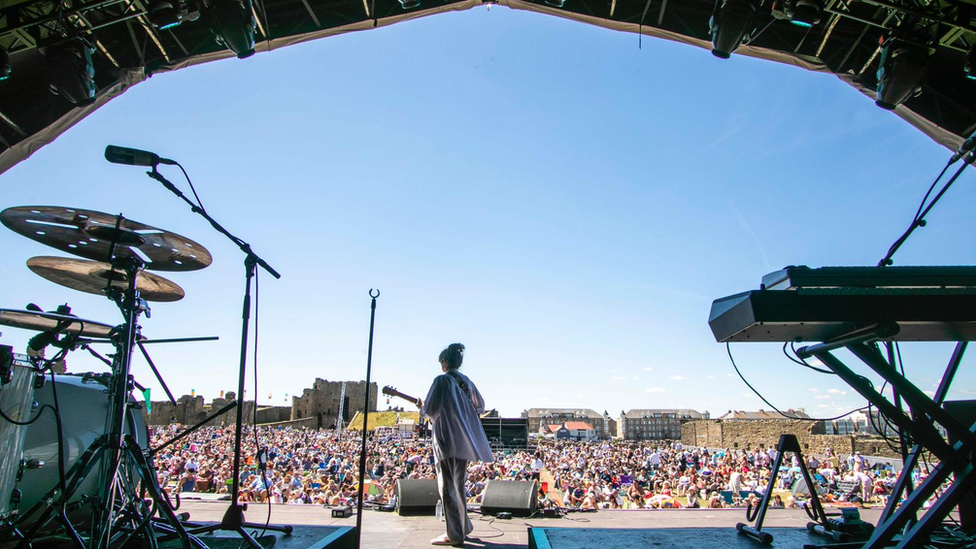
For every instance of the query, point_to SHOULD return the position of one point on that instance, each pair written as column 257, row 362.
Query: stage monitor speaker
column 416, row 496
column 512, row 496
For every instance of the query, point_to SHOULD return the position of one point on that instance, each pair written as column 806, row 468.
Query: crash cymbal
column 94, row 277
column 42, row 322
column 90, row 234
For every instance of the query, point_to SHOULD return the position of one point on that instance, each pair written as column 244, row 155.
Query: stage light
column 731, row 22
column 902, row 69
column 70, row 71
column 165, row 14
column 970, row 66
column 233, row 24
column 805, row 13
column 5, row 68
column 409, row 4
column 556, row 3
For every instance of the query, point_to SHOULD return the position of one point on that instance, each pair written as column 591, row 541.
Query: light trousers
column 451, row 476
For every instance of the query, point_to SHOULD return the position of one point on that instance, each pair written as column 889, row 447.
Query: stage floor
column 678, row 529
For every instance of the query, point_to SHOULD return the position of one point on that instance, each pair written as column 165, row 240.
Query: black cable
column 802, row 362
column 57, row 419
column 919, row 219
column 929, row 192
column 728, row 348
column 254, row 417
column 48, row 364
column 185, row 175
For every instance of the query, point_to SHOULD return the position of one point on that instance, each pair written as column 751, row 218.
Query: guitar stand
column 954, row 459
column 787, row 443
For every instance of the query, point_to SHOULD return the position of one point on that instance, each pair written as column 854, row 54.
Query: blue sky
column 562, row 202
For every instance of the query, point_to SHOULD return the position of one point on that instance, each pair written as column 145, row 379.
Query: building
column 570, row 430
column 655, row 424
column 798, row 413
column 538, row 418
column 609, row 425
column 859, row 423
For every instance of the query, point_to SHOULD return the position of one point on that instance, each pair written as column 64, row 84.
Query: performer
column 454, row 405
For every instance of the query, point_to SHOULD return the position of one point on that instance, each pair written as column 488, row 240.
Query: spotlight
column 805, row 13
column 165, row 14
column 731, row 22
column 5, row 68
column 233, row 25
column 409, row 4
column 70, row 70
column 970, row 66
column 901, row 71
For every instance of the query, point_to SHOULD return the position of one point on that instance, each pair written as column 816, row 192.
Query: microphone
column 42, row 340
column 134, row 157
column 967, row 146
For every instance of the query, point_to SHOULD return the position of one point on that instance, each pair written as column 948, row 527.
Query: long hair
column 453, row 356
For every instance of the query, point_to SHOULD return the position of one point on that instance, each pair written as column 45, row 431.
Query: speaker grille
column 515, row 497
column 416, row 497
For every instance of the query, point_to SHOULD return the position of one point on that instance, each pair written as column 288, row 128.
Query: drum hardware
column 118, row 511
column 233, row 519
column 141, row 342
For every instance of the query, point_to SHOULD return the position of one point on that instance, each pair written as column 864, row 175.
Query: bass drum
column 83, row 404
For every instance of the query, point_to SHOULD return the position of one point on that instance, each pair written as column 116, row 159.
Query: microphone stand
column 362, row 452
column 233, row 520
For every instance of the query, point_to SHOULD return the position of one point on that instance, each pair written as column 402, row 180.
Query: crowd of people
column 303, row 466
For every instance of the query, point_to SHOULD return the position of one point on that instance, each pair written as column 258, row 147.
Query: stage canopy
column 91, row 51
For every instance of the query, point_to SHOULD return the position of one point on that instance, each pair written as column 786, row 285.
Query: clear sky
column 563, row 203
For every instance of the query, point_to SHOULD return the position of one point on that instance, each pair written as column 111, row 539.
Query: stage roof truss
column 128, row 49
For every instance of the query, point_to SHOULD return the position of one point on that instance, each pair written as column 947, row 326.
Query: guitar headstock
column 390, row 390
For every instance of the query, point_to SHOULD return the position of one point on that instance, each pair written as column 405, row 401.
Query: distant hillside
column 381, row 419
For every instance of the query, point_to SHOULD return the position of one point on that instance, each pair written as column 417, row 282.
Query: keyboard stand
column 954, row 459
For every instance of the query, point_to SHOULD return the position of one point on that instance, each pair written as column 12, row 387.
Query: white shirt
column 537, row 465
column 455, row 422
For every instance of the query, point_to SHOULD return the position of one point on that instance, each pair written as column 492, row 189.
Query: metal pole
column 362, row 452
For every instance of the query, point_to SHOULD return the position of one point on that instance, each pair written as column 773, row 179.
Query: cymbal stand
column 118, row 512
column 233, row 519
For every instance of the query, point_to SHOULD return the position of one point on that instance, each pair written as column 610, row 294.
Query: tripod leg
column 150, row 483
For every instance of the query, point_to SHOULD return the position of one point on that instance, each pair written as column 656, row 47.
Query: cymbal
column 95, row 276
column 42, row 322
column 90, row 234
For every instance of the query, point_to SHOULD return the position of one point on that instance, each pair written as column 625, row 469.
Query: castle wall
column 765, row 433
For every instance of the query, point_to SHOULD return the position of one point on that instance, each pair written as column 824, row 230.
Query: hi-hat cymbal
column 94, row 277
column 42, row 322
column 90, row 234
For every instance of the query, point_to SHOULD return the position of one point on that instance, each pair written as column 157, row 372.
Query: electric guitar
column 390, row 391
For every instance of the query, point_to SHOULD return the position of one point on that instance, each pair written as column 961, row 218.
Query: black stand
column 118, row 513
column 233, row 520
column 362, row 452
column 787, row 443
column 954, row 459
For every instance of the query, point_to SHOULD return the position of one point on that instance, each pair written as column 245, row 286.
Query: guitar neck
column 394, row 392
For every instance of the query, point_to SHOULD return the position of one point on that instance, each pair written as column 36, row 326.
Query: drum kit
column 82, row 470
